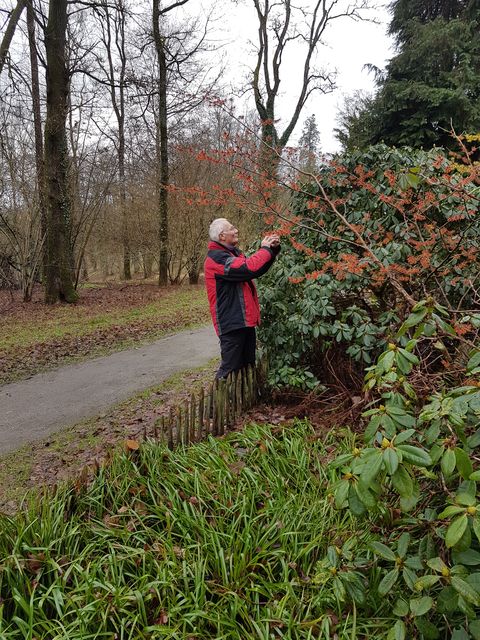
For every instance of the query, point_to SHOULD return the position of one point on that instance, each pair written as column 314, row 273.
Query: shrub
column 417, row 470
column 371, row 235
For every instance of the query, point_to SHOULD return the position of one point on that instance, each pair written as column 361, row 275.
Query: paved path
column 33, row 408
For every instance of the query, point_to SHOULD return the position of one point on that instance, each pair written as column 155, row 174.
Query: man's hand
column 271, row 241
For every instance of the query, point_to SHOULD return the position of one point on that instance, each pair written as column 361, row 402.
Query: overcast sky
column 349, row 45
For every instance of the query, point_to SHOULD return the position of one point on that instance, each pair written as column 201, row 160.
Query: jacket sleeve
column 242, row 269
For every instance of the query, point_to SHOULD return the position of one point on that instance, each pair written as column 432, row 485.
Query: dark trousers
column 237, row 349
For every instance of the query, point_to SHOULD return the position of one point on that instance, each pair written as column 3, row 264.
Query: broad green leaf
column 447, row 600
column 341, row 493
column 475, row 475
column 464, row 464
column 383, row 551
column 403, row 436
column 387, row 582
column 470, row 557
column 410, row 577
column 426, row 582
column 456, row 530
column 414, row 455
column 476, row 527
column 466, row 591
column 420, row 606
column 448, row 462
column 437, row 564
column 371, row 469
column 474, row 361
column 465, row 499
column 365, row 495
column 460, row 634
column 412, row 358
column 428, row 630
column 474, row 629
column 402, row 544
column 390, row 458
column 355, row 505
column 398, row 631
column 403, row 482
column 450, row 511
column 401, row 608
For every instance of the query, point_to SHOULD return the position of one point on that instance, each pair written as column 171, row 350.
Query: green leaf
column 464, row 464
column 456, row 530
column 388, row 581
column 402, row 482
column 403, row 436
column 448, row 462
column 466, row 591
column 402, row 544
column 437, row 564
column 411, row 321
column 426, row 582
column 474, row 361
column 412, row 358
column 428, row 630
column 475, row 475
column 460, row 634
column 398, row 631
column 474, row 629
column 363, row 493
column 450, row 511
column 390, row 459
column 470, row 557
column 371, row 469
column 476, row 527
column 420, row 606
column 465, row 499
column 355, row 505
column 447, row 600
column 383, row 551
column 414, row 455
column 401, row 608
column 341, row 493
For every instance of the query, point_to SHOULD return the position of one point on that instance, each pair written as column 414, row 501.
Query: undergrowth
column 220, row 540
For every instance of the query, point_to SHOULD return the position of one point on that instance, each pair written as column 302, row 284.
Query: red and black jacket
column 231, row 293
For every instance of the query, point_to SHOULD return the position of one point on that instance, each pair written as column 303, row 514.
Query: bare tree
column 281, row 25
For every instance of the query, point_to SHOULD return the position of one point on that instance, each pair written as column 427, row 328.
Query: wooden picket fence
column 212, row 411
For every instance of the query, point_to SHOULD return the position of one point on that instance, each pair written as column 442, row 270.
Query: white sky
column 348, row 46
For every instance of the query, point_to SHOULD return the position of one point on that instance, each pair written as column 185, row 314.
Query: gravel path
column 47, row 402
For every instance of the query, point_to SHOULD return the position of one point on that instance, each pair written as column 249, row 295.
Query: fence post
column 201, row 413
column 170, row 429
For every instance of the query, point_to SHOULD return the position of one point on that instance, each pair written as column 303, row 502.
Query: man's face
column 229, row 235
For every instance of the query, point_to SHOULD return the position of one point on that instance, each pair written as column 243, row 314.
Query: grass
column 217, row 541
column 81, row 320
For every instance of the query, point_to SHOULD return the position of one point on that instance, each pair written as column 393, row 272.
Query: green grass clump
column 219, row 540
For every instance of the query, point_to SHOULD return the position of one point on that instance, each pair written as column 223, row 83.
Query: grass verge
column 36, row 338
column 221, row 540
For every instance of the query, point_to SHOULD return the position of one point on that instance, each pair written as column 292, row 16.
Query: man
column 231, row 293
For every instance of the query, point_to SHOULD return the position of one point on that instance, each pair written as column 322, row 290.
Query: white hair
column 216, row 228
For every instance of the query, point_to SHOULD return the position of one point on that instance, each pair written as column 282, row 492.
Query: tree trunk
column 127, row 272
column 37, row 121
column 59, row 271
column 162, row 150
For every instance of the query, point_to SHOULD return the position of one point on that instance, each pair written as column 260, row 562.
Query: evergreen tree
column 432, row 84
column 309, row 145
